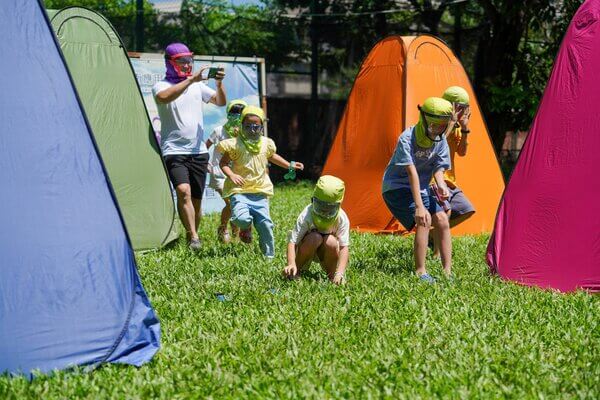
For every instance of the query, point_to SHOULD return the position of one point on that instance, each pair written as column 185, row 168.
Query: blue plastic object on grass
column 221, row 296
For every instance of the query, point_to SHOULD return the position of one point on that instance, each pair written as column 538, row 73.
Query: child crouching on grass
column 422, row 152
column 322, row 232
column 248, row 186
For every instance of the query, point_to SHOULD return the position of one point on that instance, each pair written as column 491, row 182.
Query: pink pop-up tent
column 547, row 230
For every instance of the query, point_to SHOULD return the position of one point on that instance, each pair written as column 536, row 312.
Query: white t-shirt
column 182, row 125
column 216, row 136
column 305, row 224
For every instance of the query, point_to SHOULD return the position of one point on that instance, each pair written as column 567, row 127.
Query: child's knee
column 440, row 221
column 312, row 240
column 331, row 243
column 242, row 220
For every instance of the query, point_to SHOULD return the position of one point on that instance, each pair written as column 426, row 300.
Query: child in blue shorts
column 422, row 152
column 244, row 162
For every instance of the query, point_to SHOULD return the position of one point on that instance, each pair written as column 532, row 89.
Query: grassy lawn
column 383, row 335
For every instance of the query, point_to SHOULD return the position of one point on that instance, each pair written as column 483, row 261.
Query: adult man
column 179, row 99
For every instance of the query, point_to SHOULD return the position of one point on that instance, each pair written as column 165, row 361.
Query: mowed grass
column 383, row 335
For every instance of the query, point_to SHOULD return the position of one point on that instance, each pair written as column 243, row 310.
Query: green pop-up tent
column 112, row 100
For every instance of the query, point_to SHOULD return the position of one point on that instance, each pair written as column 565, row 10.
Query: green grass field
column 383, row 335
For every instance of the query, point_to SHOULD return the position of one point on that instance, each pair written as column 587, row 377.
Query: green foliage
column 345, row 31
column 518, row 101
column 383, row 335
column 108, row 7
column 217, row 27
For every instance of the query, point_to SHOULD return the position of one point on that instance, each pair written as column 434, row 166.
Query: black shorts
column 190, row 169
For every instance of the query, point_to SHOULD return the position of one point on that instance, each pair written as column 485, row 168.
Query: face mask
column 324, row 214
column 251, row 136
column 253, row 132
column 233, row 124
column 325, row 209
column 234, row 118
column 183, row 66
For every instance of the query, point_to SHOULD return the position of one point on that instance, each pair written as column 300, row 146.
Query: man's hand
column 290, row 272
column 197, row 76
column 220, row 76
column 237, row 179
column 422, row 217
column 298, row 166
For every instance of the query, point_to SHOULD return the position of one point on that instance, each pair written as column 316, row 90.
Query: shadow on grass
column 396, row 257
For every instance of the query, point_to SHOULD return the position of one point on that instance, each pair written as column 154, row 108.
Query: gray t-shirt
column 426, row 160
column 181, row 121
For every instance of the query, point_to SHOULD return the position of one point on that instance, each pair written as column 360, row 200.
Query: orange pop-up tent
column 399, row 73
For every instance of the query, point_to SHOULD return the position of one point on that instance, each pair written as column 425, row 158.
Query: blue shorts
column 402, row 205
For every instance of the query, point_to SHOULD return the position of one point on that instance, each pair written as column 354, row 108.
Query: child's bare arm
column 291, row 270
column 464, row 126
column 462, row 145
column 422, row 216
column 224, row 164
column 442, row 188
column 441, row 183
column 339, row 277
column 283, row 163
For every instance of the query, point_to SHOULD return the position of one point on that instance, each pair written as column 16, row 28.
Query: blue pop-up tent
column 69, row 290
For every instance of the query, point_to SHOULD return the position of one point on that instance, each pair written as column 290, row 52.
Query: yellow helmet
column 253, row 110
column 456, row 94
column 236, row 102
column 326, row 202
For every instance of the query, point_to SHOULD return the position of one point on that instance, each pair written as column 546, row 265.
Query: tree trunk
column 496, row 56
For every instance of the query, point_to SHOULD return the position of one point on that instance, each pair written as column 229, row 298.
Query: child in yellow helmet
column 322, row 232
column 457, row 137
column 422, row 152
column 461, row 207
column 217, row 177
column 248, row 185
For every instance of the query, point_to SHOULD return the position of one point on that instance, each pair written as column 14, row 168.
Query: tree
column 216, row 27
column 514, row 57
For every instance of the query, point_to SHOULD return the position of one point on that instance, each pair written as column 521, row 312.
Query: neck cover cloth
column 174, row 73
column 434, row 110
column 234, row 117
column 252, row 138
column 326, row 201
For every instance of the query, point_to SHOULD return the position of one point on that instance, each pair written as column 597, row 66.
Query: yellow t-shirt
column 453, row 141
column 251, row 167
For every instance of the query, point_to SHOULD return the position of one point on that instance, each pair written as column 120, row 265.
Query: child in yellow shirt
column 248, row 186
